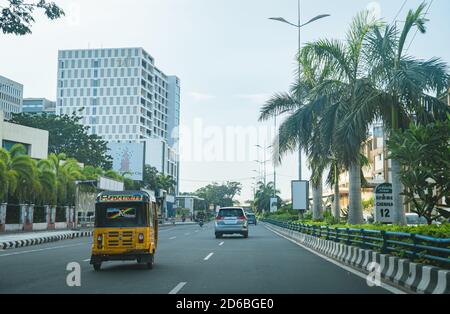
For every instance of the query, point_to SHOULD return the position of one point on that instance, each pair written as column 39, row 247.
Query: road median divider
column 51, row 237
column 31, row 238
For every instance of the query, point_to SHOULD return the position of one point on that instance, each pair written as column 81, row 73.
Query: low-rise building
column 34, row 140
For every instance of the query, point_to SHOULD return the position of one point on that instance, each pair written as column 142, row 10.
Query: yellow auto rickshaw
column 126, row 228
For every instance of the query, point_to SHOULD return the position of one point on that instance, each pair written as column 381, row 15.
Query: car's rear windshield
column 231, row 212
column 120, row 215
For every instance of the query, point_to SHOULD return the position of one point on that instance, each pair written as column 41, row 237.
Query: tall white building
column 123, row 97
column 11, row 97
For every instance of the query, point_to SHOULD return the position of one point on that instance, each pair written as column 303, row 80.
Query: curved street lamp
column 299, row 26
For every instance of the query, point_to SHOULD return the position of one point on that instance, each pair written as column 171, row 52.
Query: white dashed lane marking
column 177, row 288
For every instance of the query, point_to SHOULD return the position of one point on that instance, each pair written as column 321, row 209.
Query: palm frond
column 278, row 104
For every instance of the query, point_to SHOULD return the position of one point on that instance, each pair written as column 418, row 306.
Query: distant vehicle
column 231, row 220
column 193, row 203
column 251, row 217
column 413, row 219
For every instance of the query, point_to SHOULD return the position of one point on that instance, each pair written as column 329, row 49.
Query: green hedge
column 436, row 231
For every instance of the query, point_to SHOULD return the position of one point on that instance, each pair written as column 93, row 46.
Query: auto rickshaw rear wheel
column 151, row 262
column 97, row 266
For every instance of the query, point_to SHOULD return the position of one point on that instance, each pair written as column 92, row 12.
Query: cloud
column 201, row 96
column 255, row 98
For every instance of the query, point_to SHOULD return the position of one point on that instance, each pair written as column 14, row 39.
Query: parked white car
column 413, row 219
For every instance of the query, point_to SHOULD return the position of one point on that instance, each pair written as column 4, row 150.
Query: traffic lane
column 177, row 260
column 266, row 263
column 34, row 268
column 42, row 268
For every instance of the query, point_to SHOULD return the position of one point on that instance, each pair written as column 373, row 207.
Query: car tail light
column 219, row 218
column 141, row 238
column 243, row 218
column 99, row 241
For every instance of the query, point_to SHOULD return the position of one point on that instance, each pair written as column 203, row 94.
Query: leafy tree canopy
column 220, row 194
column 424, row 153
column 17, row 16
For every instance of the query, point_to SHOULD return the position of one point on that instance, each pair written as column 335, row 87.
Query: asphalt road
column 189, row 260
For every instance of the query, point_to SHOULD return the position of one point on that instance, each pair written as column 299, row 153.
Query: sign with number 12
column 384, row 204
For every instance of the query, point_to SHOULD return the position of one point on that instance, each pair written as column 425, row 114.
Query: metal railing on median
column 435, row 251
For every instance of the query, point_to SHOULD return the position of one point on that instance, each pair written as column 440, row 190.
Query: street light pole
column 264, row 163
column 299, row 79
column 274, row 163
column 299, row 27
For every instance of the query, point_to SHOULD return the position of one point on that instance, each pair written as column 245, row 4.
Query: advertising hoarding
column 300, row 195
column 273, row 204
column 128, row 159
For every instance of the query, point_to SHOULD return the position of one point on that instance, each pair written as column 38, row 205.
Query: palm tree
column 47, row 182
column 92, row 173
column 317, row 165
column 336, row 169
column 300, row 129
column 405, row 89
column 344, row 91
column 8, row 176
column 67, row 172
column 5, row 179
column 263, row 195
column 21, row 173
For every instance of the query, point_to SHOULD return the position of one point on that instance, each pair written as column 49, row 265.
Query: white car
column 413, row 219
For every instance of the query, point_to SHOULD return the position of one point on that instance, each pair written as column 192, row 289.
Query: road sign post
column 384, row 204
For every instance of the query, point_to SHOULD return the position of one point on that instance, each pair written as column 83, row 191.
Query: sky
column 229, row 56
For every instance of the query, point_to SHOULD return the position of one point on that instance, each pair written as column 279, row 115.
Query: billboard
column 128, row 159
column 300, row 195
column 273, row 204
